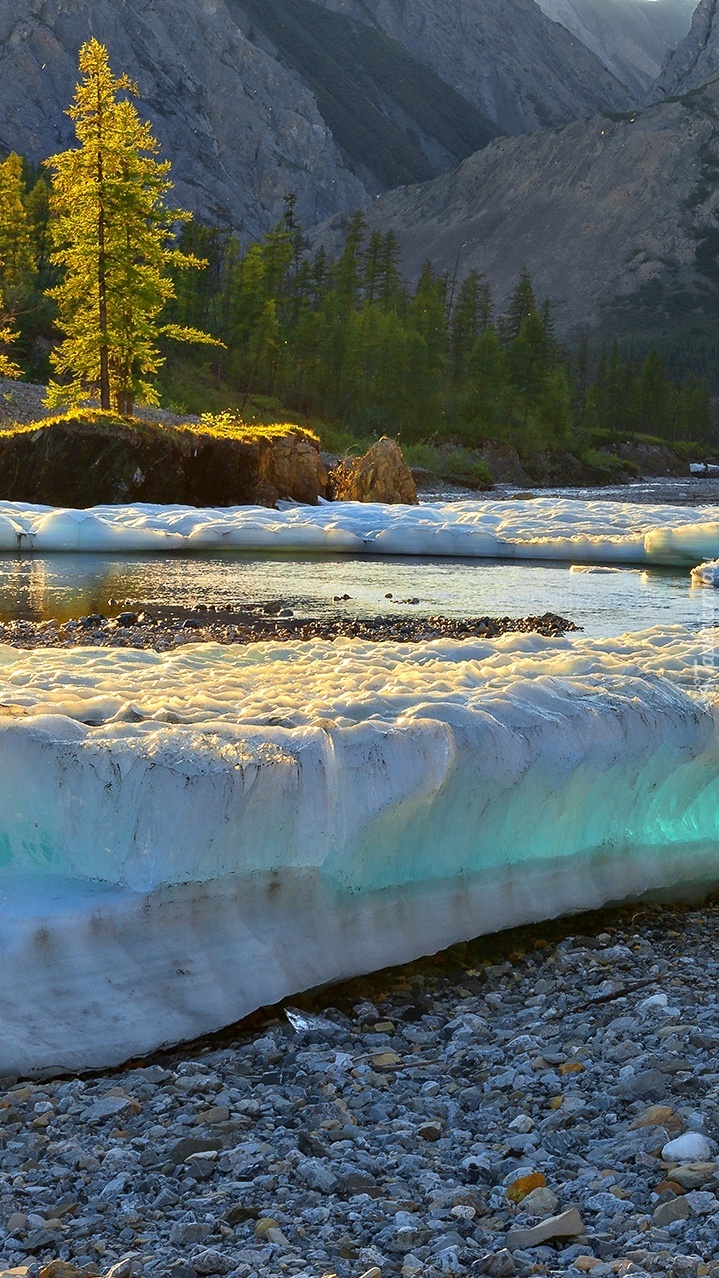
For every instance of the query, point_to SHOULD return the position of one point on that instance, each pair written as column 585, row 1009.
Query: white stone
column 692, row 1147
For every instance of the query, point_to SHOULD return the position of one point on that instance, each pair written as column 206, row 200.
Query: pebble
column 172, row 628
column 404, row 1125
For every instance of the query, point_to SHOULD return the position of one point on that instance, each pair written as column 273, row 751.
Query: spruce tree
column 114, row 236
column 522, row 303
column 17, row 256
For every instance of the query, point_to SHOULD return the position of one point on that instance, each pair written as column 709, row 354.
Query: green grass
column 89, row 416
column 228, row 425
column 452, row 465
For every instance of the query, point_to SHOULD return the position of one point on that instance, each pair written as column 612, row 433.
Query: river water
column 38, row 587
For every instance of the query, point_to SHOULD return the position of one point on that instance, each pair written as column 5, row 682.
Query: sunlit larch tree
column 114, row 237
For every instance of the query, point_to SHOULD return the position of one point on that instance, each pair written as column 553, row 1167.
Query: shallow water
column 37, row 587
column 604, row 603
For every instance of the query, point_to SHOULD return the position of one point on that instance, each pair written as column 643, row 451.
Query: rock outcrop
column 520, row 68
column 696, row 60
column 611, row 212
column 382, row 474
column 92, row 459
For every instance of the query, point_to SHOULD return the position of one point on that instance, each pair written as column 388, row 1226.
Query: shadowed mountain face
column 696, row 60
column 505, row 56
column 632, row 37
column 393, row 119
column 615, row 212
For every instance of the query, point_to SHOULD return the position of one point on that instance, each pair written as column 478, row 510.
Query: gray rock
column 116, row 1107
column 316, row 1175
column 185, row 1232
column 648, row 1084
column 567, row 1225
column 667, row 1213
column 496, row 1264
column 189, row 1145
column 211, row 1261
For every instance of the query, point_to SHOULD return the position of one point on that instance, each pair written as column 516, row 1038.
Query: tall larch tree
column 114, row 238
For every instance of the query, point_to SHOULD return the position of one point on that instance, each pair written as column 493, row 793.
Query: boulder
column 381, row 475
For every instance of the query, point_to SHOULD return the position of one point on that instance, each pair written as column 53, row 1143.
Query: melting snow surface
column 543, row 528
column 707, row 574
column 187, row 836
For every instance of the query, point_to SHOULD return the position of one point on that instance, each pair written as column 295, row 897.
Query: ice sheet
column 544, row 528
column 187, row 836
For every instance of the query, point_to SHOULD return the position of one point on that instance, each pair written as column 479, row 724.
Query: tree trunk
column 102, row 294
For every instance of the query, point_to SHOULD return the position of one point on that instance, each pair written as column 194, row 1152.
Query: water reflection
column 64, row 586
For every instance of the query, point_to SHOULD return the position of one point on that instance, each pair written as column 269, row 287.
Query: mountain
column 613, row 214
column 393, row 119
column 254, row 99
column 696, row 58
column 240, row 128
column 519, row 68
column 632, row 37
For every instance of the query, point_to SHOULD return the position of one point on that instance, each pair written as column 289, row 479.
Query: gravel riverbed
column 539, row 1103
column 169, row 627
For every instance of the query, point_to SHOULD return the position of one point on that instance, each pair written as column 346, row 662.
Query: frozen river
column 186, row 835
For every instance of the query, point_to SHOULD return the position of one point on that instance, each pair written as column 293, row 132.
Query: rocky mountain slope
column 253, row 99
column 240, row 128
column 696, row 58
column 393, row 119
column 616, row 210
column 632, row 37
column 505, row 56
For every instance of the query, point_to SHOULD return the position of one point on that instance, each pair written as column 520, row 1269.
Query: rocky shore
column 168, row 628
column 542, row 1102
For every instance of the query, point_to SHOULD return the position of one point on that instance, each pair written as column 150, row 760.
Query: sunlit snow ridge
column 543, row 528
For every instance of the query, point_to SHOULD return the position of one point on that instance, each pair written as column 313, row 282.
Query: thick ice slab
column 544, row 528
column 185, row 837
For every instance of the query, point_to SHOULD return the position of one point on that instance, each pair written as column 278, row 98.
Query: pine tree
column 469, row 318
column 114, row 236
column 522, row 303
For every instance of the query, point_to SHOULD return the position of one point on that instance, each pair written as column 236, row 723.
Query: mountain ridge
column 511, row 61
column 695, row 61
column 248, row 115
